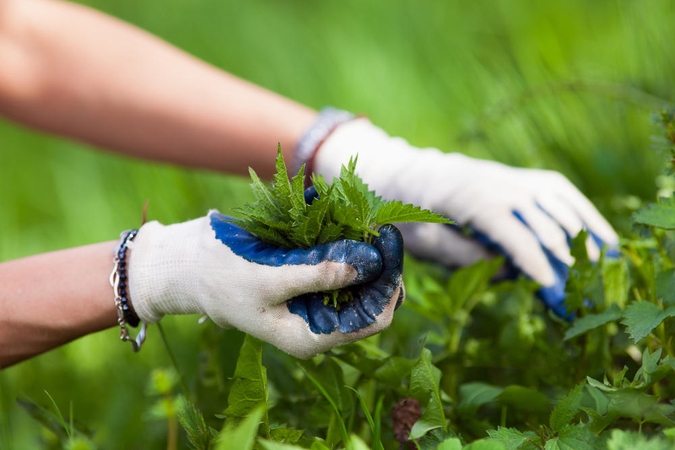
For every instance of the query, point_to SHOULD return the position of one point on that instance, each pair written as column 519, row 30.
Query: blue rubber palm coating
column 370, row 298
column 363, row 257
column 552, row 296
column 379, row 272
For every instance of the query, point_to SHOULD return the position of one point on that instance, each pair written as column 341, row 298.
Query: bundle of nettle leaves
column 282, row 216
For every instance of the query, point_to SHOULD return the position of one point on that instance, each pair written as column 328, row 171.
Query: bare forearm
column 53, row 298
column 76, row 72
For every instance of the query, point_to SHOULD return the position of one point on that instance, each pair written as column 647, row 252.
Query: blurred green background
column 566, row 85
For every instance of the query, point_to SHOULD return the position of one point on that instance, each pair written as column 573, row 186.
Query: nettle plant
column 286, row 215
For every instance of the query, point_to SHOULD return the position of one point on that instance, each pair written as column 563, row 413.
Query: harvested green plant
column 344, row 209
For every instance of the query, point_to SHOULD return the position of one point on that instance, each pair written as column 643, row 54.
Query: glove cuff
column 162, row 269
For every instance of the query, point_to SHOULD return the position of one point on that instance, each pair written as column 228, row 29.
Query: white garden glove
column 213, row 267
column 526, row 214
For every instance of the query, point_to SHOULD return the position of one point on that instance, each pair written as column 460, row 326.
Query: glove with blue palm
column 213, row 267
column 528, row 215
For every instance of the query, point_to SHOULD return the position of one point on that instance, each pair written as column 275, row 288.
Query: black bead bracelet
column 121, row 261
column 119, row 282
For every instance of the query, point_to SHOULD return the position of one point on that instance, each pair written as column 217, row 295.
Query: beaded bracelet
column 118, row 281
column 305, row 150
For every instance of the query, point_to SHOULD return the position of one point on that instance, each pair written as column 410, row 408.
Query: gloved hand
column 528, row 215
column 213, row 267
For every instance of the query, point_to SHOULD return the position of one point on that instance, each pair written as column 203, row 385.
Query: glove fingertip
column 390, row 245
column 366, row 259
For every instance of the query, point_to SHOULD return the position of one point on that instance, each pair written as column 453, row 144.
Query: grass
column 559, row 85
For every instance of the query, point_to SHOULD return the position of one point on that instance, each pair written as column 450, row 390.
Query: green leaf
column 592, row 321
column 345, row 210
column 468, row 282
column 665, row 286
column 285, row 435
column 564, row 412
column 598, row 385
column 631, row 440
column 450, row 444
column 660, row 215
column 240, row 436
column 319, row 445
column 585, row 277
column 524, row 399
column 249, row 389
column 510, row 437
column 396, row 212
column 192, row 421
column 577, row 437
column 425, row 386
column 474, row 395
column 640, row 318
column 616, row 281
column 273, row 445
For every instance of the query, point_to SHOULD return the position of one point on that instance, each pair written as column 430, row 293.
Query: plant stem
column 173, row 361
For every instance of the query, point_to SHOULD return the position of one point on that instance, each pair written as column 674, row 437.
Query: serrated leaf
column 193, row 422
column 425, row 386
column 264, row 194
column 396, row 212
column 640, row 318
column 304, row 229
column 577, row 437
column 344, row 210
column 660, row 215
column 249, row 389
column 665, row 286
column 510, row 437
column 564, row 412
column 265, row 233
column 592, row 321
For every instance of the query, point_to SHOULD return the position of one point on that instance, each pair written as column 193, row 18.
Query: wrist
column 162, row 269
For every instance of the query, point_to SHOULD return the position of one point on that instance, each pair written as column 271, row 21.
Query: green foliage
column 660, row 215
column 249, row 389
column 425, row 386
column 640, row 318
column 344, row 209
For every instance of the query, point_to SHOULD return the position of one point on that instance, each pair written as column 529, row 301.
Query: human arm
column 50, row 299
column 72, row 71
column 205, row 266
